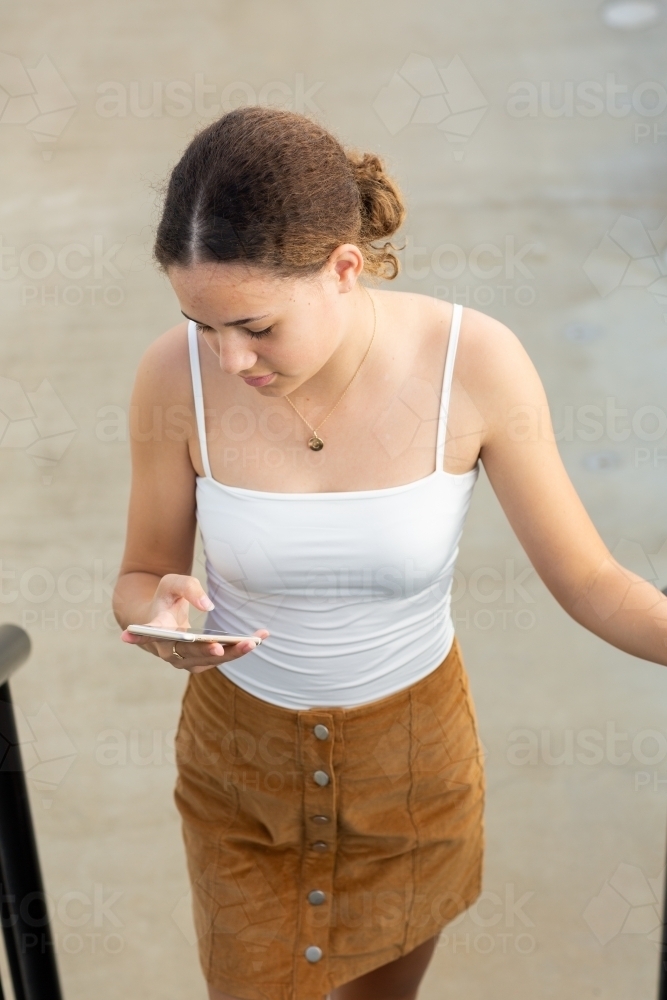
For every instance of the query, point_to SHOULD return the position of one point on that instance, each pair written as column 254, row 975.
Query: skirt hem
column 244, row 991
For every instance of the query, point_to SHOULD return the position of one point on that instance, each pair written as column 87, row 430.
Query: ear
column 345, row 264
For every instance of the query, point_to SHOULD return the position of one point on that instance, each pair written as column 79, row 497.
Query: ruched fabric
column 355, row 587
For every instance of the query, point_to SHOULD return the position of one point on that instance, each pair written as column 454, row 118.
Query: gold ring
column 173, row 649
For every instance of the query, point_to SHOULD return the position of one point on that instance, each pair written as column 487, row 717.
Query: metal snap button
column 313, row 953
column 320, row 819
column 321, row 777
column 320, row 845
column 321, row 732
column 316, row 897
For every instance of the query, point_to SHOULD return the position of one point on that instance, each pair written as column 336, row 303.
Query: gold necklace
column 315, row 443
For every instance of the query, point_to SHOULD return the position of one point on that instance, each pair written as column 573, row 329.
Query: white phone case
column 154, row 632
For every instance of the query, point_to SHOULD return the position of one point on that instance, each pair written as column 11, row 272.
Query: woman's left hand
column 200, row 656
column 196, row 656
column 169, row 609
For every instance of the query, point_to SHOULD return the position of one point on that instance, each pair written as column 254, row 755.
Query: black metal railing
column 23, row 909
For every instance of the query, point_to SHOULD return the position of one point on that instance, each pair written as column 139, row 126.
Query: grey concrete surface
column 573, row 209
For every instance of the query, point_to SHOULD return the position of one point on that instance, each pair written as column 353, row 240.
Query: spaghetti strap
column 457, row 312
column 195, row 371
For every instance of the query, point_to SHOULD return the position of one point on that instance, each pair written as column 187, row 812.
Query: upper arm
column 522, row 461
column 161, row 517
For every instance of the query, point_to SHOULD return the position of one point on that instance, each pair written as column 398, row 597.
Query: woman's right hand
column 170, row 609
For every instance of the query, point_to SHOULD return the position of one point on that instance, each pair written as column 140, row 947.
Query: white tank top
column 354, row 586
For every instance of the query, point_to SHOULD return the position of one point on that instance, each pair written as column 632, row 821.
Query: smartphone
column 190, row 635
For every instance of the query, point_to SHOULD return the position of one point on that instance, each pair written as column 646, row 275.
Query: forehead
column 225, row 278
column 227, row 287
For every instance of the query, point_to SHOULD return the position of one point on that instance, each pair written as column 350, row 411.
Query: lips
column 260, row 380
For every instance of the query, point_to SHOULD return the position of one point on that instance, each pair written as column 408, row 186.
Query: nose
column 235, row 354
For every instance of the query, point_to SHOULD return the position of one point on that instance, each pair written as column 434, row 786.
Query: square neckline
column 443, row 413
column 339, row 494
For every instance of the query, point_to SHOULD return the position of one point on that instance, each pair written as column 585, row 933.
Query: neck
column 326, row 385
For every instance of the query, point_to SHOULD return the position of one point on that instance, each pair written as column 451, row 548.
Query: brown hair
column 273, row 188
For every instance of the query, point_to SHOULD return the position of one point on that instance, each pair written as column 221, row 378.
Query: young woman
column 326, row 436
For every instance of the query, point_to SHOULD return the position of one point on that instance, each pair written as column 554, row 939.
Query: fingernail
column 206, row 603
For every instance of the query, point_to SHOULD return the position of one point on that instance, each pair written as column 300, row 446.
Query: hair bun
column 382, row 206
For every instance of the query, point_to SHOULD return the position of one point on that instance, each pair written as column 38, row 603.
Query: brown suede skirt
column 326, row 842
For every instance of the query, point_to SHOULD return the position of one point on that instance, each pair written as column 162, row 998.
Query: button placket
column 316, row 738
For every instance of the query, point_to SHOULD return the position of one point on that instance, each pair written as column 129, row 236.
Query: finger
column 165, row 650
column 135, row 640
column 240, row 649
column 247, row 646
column 213, row 649
column 208, row 650
column 200, row 669
column 210, row 655
column 196, row 666
column 213, row 654
column 177, row 586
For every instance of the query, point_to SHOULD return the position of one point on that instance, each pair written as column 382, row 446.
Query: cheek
column 315, row 344
column 294, row 355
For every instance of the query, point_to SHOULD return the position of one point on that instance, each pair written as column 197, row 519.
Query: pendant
column 316, row 443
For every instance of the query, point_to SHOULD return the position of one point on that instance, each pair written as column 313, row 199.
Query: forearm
column 133, row 597
column 623, row 609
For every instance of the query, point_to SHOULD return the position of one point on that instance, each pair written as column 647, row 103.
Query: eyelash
column 256, row 334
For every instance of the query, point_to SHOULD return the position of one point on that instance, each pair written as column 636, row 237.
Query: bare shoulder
column 491, row 362
column 490, row 357
column 432, row 316
column 486, row 346
column 163, row 372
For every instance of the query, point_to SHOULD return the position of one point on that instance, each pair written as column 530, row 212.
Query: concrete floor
column 575, row 829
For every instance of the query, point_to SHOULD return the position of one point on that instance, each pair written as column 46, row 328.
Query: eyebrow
column 234, row 322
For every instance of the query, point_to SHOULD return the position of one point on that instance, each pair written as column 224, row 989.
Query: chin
column 271, row 390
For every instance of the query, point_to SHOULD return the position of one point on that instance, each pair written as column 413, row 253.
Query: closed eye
column 259, row 333
column 253, row 333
